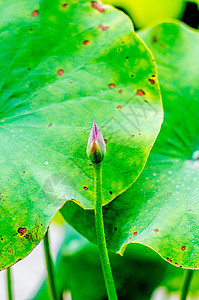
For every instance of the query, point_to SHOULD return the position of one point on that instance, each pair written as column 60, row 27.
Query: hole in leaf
column 110, row 192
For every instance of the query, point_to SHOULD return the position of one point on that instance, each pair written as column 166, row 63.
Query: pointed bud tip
column 96, row 148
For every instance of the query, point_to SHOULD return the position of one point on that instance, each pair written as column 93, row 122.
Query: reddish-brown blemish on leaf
column 22, row 230
column 111, row 85
column 133, row 135
column 168, row 194
column 146, row 101
column 90, row 165
column 24, row 172
column 64, row 5
column 140, row 93
column 104, row 28
column 60, row 72
column 96, row 5
column 105, row 141
column 156, row 230
column 86, row 42
column 135, row 233
column 119, row 107
column 152, row 81
column 35, row 13
column 183, row 248
column 120, row 91
column 168, row 259
column 85, row 188
column 155, row 39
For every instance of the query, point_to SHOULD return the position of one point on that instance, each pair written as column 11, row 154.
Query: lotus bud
column 96, row 148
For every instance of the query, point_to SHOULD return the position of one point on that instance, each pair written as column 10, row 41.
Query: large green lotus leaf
column 64, row 65
column 161, row 209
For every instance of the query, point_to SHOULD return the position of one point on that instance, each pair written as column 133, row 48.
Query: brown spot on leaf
column 35, row 13
column 155, row 39
column 111, row 85
column 85, row 188
column 140, row 93
column 168, row 259
column 96, row 5
column 22, row 230
column 152, row 81
column 102, row 27
column 119, row 107
column 135, row 233
column 50, row 125
column 105, row 141
column 60, row 72
column 120, row 91
column 183, row 248
column 110, row 192
column 86, row 42
column 156, row 230
column 133, row 135
column 64, row 5
column 168, row 194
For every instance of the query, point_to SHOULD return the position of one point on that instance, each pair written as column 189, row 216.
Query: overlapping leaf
column 62, row 66
column 161, row 209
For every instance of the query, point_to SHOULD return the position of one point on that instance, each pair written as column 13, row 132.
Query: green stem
column 101, row 241
column 9, row 283
column 186, row 284
column 50, row 268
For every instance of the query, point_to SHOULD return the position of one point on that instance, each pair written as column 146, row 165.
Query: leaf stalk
column 100, row 233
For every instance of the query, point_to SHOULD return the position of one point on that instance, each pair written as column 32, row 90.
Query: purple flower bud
column 96, row 148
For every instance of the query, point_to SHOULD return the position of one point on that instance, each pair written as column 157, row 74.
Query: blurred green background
column 144, row 12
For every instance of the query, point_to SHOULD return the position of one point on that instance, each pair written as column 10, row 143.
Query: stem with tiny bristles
column 9, row 283
column 100, row 233
column 50, row 268
column 186, row 284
